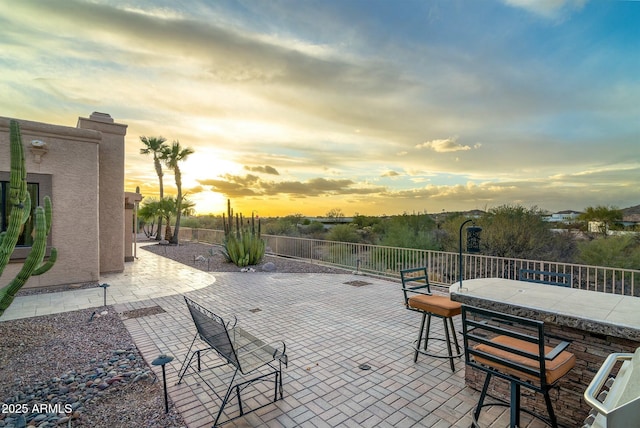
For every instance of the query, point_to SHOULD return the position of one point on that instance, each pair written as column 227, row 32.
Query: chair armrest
column 557, row 350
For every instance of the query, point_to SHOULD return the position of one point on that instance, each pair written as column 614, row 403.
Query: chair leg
column 455, row 337
column 427, row 332
column 226, row 398
column 187, row 362
column 424, row 317
column 483, row 394
column 552, row 415
column 515, row 405
column 448, row 337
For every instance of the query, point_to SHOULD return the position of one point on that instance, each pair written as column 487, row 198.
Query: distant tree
column 343, row 233
column 172, row 157
column 156, row 147
column 315, row 229
column 515, row 231
column 362, row 221
column 615, row 251
column 606, row 216
column 335, row 213
column 409, row 231
column 283, row 226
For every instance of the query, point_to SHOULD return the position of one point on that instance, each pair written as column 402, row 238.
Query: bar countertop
column 592, row 311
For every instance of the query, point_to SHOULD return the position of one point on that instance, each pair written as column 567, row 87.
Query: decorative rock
column 73, row 390
column 269, row 267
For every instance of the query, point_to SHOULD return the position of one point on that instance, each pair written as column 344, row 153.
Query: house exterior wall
column 131, row 202
column 85, row 166
column 111, row 189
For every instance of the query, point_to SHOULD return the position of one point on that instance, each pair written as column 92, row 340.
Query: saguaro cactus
column 20, row 203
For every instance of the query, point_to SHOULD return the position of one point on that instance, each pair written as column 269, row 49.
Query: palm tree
column 147, row 215
column 188, row 206
column 156, row 146
column 167, row 208
column 172, row 156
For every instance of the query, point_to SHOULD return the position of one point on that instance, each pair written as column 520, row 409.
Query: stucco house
column 82, row 170
column 566, row 216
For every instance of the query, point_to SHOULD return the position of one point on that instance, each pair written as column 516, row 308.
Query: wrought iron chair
column 418, row 297
column 513, row 348
column 253, row 359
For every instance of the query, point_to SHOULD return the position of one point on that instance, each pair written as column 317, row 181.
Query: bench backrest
column 416, row 276
column 544, row 277
column 214, row 331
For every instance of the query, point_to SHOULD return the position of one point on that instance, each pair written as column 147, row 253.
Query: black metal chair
column 418, row 297
column 513, row 348
column 253, row 359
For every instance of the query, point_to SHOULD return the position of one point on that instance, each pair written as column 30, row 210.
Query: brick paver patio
column 330, row 328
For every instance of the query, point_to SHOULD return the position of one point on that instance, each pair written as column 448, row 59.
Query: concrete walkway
column 330, row 327
column 149, row 277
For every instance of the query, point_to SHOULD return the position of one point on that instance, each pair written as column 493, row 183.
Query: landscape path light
column 162, row 360
column 104, row 287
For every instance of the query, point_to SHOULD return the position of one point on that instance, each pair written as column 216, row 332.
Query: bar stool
column 513, row 348
column 428, row 304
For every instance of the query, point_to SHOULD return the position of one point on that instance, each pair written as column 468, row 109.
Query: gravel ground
column 199, row 256
column 82, row 368
column 77, row 369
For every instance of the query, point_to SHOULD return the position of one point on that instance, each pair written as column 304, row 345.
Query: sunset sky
column 370, row 107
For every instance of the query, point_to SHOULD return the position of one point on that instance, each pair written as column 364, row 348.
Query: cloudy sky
column 371, row 107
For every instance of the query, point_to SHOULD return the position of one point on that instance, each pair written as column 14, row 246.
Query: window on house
column 38, row 186
column 26, row 237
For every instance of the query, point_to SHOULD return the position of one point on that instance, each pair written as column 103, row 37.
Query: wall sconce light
column 38, row 149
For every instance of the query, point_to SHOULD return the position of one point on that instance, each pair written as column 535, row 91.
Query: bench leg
column 226, row 399
column 186, row 363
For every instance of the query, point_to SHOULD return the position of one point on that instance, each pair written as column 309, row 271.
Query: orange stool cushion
column 437, row 305
column 555, row 368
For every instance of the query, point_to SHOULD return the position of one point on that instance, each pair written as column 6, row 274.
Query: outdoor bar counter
column 597, row 324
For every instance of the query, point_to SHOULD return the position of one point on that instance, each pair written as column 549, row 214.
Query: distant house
column 329, row 222
column 82, row 170
column 631, row 216
column 566, row 216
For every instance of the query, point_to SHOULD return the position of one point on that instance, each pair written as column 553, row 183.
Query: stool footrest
column 418, row 347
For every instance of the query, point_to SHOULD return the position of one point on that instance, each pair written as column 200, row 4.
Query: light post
column 162, row 360
column 104, row 287
column 473, row 243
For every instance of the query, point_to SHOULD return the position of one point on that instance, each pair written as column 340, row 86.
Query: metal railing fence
column 443, row 266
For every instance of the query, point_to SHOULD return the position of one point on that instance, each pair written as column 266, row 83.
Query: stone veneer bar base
column 592, row 339
column 568, row 402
